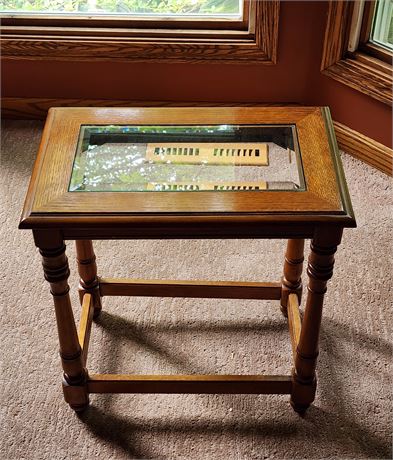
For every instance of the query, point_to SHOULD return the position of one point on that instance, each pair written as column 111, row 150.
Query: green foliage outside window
column 123, row 6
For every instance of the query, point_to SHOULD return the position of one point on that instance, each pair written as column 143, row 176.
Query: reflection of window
column 187, row 158
column 198, row 30
column 358, row 46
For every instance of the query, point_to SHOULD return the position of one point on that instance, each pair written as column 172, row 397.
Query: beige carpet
column 352, row 414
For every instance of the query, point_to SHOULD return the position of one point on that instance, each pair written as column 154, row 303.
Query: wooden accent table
column 129, row 173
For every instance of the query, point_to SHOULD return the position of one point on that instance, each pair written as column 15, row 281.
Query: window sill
column 257, row 44
column 365, row 74
column 358, row 70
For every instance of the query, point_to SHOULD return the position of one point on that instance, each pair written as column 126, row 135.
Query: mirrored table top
column 131, row 158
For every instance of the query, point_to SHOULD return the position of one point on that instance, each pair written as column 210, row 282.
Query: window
column 229, row 9
column 358, row 46
column 159, row 30
column 382, row 24
column 376, row 34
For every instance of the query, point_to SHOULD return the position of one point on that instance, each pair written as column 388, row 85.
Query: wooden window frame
column 250, row 40
column 365, row 45
column 369, row 68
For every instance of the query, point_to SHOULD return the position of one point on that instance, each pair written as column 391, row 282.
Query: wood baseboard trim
column 352, row 142
column 37, row 108
column 365, row 149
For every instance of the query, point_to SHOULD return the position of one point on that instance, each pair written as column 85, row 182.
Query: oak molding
column 356, row 144
column 358, row 70
column 36, row 108
column 365, row 149
column 255, row 43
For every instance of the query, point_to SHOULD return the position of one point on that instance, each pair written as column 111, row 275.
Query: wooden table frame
column 320, row 213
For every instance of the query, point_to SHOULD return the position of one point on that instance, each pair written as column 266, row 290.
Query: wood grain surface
column 357, row 70
column 367, row 150
column 255, row 40
column 85, row 325
column 363, row 77
column 336, row 34
column 52, row 189
column 294, row 321
column 195, row 289
column 50, row 201
column 37, row 108
column 362, row 147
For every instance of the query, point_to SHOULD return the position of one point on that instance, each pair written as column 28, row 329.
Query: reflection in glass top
column 187, row 158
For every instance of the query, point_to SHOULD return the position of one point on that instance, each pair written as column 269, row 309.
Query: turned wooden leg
column 293, row 267
column 88, row 273
column 319, row 270
column 56, row 273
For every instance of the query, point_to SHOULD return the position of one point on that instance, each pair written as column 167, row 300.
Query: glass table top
column 173, row 158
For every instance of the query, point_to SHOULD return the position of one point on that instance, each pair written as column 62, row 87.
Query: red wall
column 295, row 79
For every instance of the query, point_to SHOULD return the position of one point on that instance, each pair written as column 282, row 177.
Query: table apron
column 264, row 232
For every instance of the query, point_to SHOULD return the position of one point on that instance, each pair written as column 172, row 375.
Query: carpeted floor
column 352, row 414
